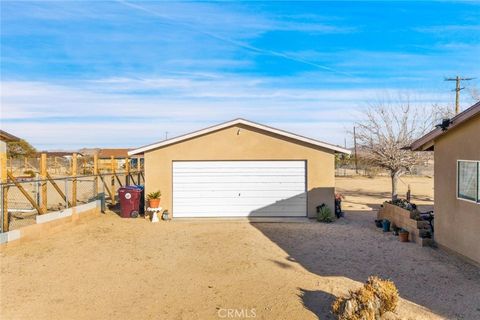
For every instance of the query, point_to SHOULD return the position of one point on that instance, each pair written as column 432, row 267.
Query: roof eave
column 232, row 123
column 427, row 142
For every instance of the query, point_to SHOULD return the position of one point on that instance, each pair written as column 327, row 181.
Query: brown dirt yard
column 112, row 268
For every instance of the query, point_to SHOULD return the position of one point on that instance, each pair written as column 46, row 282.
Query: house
column 456, row 146
column 241, row 168
column 105, row 157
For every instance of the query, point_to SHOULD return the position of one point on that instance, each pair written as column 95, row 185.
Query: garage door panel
column 250, row 203
column 218, row 194
column 235, row 211
column 252, row 186
column 241, row 178
column 229, row 173
column 239, row 188
column 181, row 165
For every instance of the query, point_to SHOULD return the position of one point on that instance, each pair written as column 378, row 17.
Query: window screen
column 468, row 176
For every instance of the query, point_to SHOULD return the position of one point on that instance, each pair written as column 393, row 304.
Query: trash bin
column 142, row 198
column 130, row 198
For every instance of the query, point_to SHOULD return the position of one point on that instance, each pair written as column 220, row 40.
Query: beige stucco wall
column 457, row 222
column 3, row 160
column 243, row 143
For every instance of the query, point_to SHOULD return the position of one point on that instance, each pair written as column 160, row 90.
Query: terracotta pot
column 154, row 203
column 403, row 236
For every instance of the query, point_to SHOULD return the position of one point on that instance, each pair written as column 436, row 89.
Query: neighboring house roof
column 7, row 137
column 116, row 153
column 89, row 151
column 426, row 143
column 236, row 122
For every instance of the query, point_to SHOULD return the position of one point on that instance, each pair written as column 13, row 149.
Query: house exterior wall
column 3, row 157
column 242, row 142
column 457, row 222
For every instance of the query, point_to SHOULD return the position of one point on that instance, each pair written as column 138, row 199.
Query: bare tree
column 474, row 93
column 441, row 112
column 385, row 132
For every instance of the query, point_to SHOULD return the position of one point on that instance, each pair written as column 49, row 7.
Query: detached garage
column 241, row 169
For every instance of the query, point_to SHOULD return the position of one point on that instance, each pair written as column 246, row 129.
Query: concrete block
column 48, row 217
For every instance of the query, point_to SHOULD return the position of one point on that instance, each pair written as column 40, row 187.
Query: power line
column 457, row 90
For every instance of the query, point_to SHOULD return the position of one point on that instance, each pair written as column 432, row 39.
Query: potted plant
column 338, row 204
column 386, row 225
column 403, row 235
column 154, row 199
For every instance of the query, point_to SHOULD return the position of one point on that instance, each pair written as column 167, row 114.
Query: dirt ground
column 362, row 193
column 112, row 268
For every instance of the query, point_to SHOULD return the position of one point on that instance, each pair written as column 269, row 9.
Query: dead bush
column 376, row 298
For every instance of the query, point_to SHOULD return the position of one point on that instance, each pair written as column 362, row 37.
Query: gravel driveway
column 114, row 268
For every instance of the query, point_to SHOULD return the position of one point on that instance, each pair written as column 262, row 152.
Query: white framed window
column 468, row 180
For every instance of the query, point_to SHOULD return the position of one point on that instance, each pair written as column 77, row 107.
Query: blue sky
column 122, row 73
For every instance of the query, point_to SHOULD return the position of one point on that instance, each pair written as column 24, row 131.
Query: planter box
column 401, row 218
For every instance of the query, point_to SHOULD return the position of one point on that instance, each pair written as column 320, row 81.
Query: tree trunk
column 394, row 175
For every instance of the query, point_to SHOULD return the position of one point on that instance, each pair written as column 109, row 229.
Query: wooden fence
column 48, row 185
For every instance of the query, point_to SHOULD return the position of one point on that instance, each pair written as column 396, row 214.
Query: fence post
column 95, row 173
column 4, row 179
column 43, row 184
column 66, row 192
column 112, row 163
column 74, row 180
column 127, row 169
column 139, row 167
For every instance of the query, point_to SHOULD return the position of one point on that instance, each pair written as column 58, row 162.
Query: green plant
column 19, row 149
column 154, row 195
column 403, row 203
column 324, row 214
column 415, row 215
column 370, row 302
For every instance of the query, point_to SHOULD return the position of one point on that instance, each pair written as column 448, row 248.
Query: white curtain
column 468, row 176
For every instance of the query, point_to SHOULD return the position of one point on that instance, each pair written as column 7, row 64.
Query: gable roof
column 426, row 142
column 5, row 136
column 236, row 122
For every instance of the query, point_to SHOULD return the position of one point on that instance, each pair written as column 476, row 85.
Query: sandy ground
column 362, row 193
column 112, row 268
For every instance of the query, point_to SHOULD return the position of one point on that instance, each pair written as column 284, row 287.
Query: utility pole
column 355, row 148
column 166, row 135
column 457, row 90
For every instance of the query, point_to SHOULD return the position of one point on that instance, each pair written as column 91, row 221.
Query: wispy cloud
column 92, row 67
column 177, row 106
column 449, row 28
column 232, row 41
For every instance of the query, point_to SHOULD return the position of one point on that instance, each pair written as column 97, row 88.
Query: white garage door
column 239, row 189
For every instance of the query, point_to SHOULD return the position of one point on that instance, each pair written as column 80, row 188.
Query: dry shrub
column 370, row 302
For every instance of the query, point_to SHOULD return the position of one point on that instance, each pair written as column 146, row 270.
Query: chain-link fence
column 346, row 165
column 24, row 199
column 59, row 166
